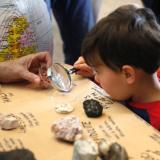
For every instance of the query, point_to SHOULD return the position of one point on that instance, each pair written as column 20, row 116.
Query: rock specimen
column 103, row 147
column 92, row 108
column 8, row 122
column 85, row 150
column 113, row 152
column 68, row 128
column 64, row 108
column 45, row 82
column 17, row 154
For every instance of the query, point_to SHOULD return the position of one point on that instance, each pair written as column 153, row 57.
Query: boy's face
column 114, row 83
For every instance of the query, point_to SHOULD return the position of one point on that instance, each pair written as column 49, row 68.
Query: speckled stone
column 92, row 108
column 68, row 128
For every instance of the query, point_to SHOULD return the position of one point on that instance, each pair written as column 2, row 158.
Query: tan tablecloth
column 35, row 110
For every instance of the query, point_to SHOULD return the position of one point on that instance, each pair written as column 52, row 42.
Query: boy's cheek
column 97, row 83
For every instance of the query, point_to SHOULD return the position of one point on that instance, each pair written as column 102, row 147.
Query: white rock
column 64, row 108
column 9, row 122
column 68, row 128
column 85, row 150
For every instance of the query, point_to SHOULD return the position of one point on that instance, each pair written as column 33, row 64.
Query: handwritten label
column 26, row 120
column 91, row 131
column 98, row 94
column 30, row 119
column 155, row 137
column 10, row 143
column 6, row 97
column 111, row 130
column 150, row 155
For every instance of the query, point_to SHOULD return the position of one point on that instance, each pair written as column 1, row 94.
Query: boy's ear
column 129, row 73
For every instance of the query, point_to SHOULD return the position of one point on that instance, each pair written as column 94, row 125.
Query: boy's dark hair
column 127, row 36
column 154, row 5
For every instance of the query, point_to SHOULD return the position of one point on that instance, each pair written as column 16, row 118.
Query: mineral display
column 85, row 150
column 115, row 152
column 103, row 147
column 17, row 154
column 68, row 128
column 92, row 108
column 8, row 123
column 64, row 108
column 45, row 82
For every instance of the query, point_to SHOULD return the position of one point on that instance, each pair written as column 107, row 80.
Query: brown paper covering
column 34, row 108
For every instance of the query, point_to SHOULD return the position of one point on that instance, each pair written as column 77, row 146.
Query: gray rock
column 115, row 152
column 85, row 150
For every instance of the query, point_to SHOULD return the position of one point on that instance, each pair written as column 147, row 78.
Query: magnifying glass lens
column 59, row 76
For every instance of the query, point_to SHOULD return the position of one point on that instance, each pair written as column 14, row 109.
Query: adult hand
column 24, row 68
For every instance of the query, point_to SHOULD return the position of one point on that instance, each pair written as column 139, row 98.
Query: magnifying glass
column 60, row 77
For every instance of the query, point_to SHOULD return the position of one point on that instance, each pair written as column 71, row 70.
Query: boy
column 124, row 51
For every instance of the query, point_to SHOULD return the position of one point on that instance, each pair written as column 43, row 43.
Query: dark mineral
column 17, row 154
column 115, row 152
column 92, row 108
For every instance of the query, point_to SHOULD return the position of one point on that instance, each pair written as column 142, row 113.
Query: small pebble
column 64, row 108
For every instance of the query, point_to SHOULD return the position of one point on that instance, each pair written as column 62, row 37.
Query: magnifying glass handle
column 72, row 70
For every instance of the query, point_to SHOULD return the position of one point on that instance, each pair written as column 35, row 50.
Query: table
column 35, row 110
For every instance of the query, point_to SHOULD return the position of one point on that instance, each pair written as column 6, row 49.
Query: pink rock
column 68, row 128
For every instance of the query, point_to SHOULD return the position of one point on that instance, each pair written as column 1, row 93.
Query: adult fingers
column 44, row 57
column 29, row 76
